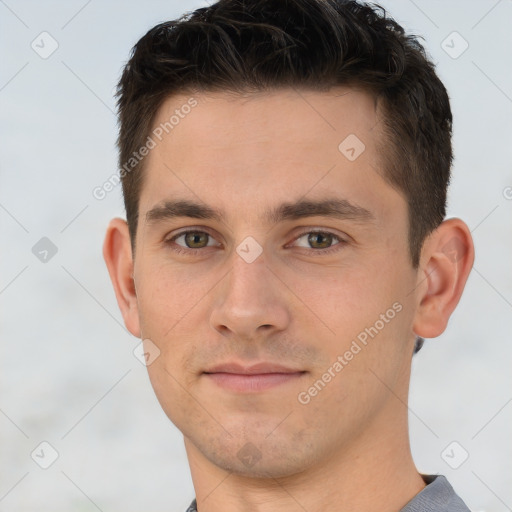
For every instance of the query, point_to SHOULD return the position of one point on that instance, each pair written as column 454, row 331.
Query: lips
column 253, row 378
column 259, row 368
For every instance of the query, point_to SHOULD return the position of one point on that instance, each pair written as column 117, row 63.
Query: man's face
column 252, row 288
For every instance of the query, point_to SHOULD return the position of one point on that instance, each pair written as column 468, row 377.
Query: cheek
column 364, row 315
column 165, row 296
column 169, row 382
column 168, row 303
column 342, row 298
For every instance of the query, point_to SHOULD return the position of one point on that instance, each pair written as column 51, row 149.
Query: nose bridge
column 250, row 296
column 248, row 282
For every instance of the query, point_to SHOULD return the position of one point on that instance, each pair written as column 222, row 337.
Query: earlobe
column 447, row 259
column 118, row 257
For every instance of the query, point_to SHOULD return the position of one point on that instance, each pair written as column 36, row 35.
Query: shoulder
column 437, row 496
column 192, row 507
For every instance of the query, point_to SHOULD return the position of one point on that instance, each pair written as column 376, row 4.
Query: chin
column 260, row 457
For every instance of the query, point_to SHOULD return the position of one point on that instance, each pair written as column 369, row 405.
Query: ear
column 117, row 253
column 446, row 261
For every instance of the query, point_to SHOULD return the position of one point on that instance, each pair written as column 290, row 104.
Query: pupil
column 192, row 238
column 315, row 237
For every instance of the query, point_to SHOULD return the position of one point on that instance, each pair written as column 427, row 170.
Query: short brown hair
column 259, row 45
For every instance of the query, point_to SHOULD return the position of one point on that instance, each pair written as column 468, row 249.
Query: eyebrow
column 336, row 208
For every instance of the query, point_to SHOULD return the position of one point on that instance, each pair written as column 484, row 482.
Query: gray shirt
column 437, row 496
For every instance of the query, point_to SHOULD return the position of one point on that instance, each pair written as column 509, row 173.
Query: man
column 284, row 170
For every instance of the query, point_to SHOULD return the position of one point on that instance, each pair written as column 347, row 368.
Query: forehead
column 253, row 148
column 226, row 119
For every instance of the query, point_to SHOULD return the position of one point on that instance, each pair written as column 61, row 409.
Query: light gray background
column 68, row 375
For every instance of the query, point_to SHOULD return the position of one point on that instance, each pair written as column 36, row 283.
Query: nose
column 251, row 301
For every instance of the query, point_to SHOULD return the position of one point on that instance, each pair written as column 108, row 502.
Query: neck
column 375, row 472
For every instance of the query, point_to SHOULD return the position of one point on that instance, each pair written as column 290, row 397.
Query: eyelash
column 190, row 251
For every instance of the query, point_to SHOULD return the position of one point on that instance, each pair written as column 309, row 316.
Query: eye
column 320, row 241
column 193, row 240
